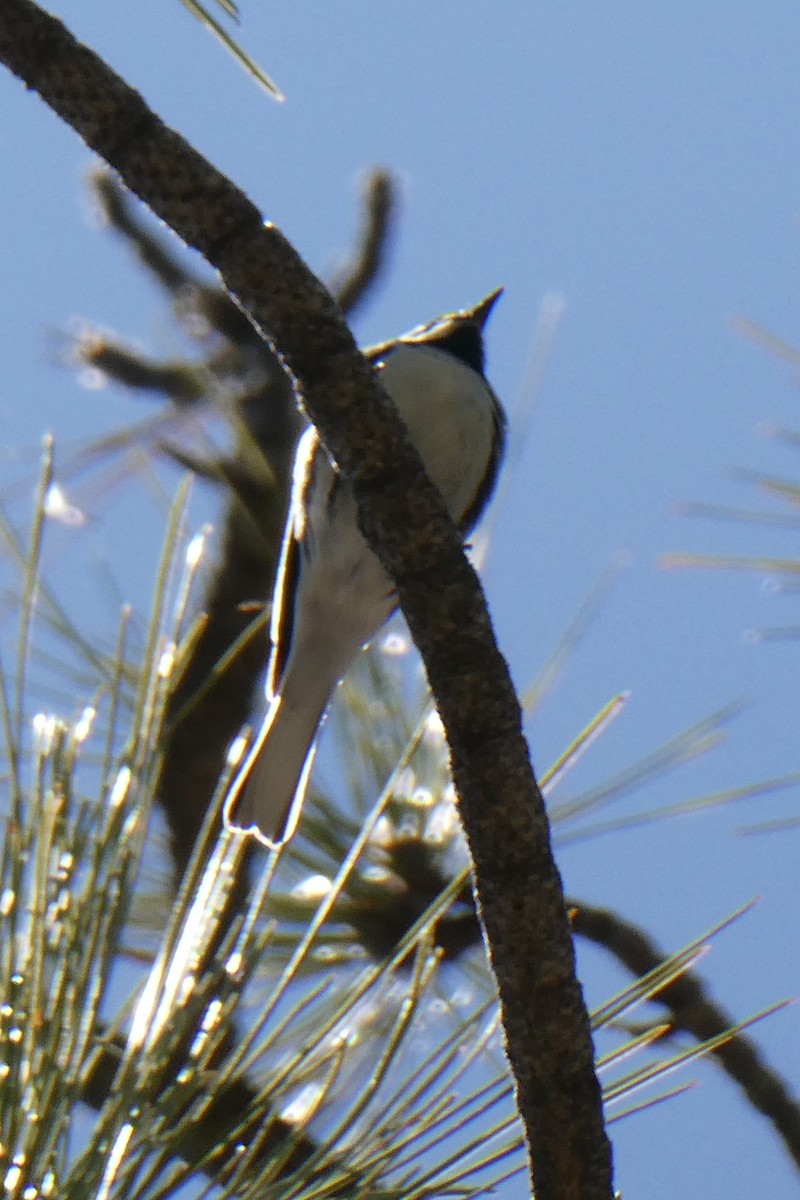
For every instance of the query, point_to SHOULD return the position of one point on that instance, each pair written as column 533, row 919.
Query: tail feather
column 267, row 794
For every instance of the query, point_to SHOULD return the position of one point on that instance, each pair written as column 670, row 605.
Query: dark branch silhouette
column 693, row 1011
column 210, row 704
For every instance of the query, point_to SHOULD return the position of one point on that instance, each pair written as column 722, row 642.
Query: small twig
column 149, row 244
column 692, row 1010
column 360, row 274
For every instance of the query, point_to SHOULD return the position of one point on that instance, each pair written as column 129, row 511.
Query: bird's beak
column 480, row 313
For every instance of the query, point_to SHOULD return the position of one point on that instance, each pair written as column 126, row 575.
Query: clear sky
column 643, row 164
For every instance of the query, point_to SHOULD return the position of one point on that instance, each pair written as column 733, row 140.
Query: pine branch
column 691, row 1009
column 356, row 278
column 405, row 521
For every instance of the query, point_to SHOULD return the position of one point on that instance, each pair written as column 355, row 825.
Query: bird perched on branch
column 331, row 593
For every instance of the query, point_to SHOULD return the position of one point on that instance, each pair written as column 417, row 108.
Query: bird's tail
column 267, row 794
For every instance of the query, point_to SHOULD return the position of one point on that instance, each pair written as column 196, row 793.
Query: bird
column 331, row 594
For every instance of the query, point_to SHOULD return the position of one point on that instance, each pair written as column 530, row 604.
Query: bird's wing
column 481, row 498
column 286, row 578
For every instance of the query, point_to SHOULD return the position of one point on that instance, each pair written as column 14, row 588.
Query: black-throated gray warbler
column 331, row 593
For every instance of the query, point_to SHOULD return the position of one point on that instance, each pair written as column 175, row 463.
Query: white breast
column 449, row 413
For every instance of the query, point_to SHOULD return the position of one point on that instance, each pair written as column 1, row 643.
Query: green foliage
column 252, row 1053
column 218, row 29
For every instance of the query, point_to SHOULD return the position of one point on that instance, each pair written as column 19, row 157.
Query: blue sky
column 644, row 167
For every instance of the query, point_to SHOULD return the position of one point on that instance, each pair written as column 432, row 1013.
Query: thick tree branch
column 404, row 519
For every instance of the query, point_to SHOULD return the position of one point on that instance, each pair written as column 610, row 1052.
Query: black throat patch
column 465, row 342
